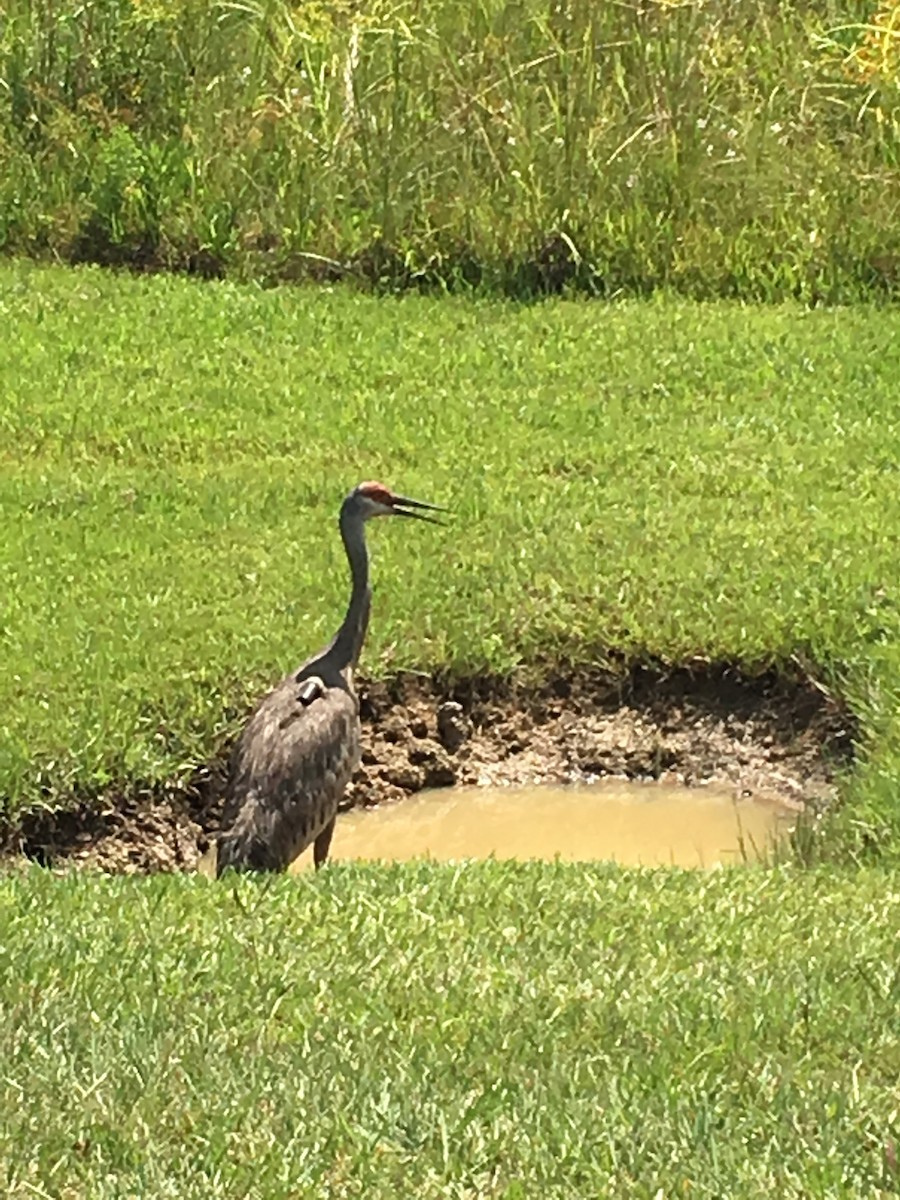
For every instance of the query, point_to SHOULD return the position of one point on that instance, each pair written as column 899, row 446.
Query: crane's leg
column 321, row 844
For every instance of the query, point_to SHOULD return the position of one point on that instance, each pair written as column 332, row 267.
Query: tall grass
column 725, row 149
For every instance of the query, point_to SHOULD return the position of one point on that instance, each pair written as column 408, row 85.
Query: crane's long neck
column 347, row 644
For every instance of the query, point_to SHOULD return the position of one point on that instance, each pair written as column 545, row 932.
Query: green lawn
column 658, row 477
column 491, row 1030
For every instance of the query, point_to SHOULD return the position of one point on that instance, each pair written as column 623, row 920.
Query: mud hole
column 765, row 736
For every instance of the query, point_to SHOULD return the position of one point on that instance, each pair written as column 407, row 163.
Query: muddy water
column 633, row 824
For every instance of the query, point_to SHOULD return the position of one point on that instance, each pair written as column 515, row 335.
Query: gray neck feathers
column 346, row 647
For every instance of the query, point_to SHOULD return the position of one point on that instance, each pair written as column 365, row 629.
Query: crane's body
column 289, row 770
column 301, row 745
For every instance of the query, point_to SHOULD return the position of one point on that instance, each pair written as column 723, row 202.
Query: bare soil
column 768, row 736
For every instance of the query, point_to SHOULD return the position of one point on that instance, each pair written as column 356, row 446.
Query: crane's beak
column 402, row 503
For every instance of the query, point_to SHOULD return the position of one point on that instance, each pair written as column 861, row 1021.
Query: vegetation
column 720, row 149
column 497, row 1030
column 658, row 478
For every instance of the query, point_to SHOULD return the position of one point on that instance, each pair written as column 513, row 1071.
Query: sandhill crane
column 300, row 746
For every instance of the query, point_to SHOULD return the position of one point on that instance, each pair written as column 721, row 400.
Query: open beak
column 402, row 503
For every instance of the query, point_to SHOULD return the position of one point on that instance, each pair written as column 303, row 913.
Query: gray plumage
column 301, row 745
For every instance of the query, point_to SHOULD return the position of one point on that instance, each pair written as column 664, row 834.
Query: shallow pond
column 635, row 824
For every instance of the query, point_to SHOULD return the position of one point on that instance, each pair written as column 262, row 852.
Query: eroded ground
column 765, row 736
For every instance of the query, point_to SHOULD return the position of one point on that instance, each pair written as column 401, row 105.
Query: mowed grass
column 491, row 1030
column 660, row 477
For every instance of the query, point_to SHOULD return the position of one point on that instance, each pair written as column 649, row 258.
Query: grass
column 660, row 478
column 491, row 1030
column 719, row 149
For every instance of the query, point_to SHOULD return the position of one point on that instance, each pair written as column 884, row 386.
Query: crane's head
column 373, row 499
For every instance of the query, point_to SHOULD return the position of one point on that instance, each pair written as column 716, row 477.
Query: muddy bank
column 767, row 735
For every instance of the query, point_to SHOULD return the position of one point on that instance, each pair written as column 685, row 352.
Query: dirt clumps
column 765, row 736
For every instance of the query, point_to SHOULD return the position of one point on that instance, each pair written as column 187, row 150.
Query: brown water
column 634, row 824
